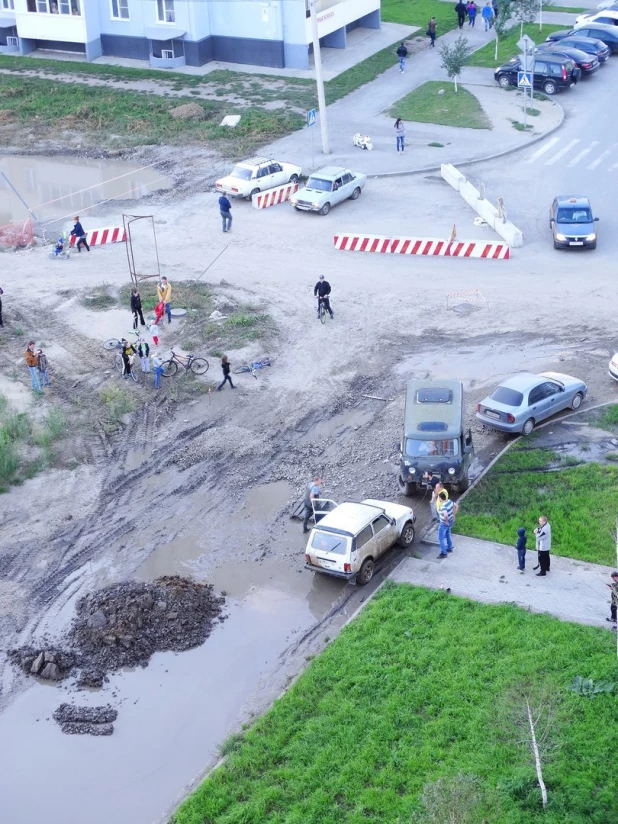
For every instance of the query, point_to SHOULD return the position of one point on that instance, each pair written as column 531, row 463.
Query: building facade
column 173, row 33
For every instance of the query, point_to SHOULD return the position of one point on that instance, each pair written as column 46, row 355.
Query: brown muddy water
column 60, row 187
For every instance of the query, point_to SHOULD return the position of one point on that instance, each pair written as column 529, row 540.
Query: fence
column 16, row 234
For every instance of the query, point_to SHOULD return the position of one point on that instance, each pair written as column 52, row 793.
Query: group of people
column 141, row 348
column 36, row 361
column 542, row 534
column 489, row 12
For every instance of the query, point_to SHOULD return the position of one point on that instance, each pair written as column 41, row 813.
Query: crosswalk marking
column 562, row 152
column 602, row 157
column 545, row 148
column 613, row 168
column 582, row 154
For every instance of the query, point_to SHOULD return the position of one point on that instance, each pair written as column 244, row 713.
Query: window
column 165, row 11
column 380, row 523
column 509, row 397
column 536, row 394
column 120, row 9
column 275, row 168
column 8, row 5
column 167, row 54
column 51, row 6
column 421, row 449
column 329, row 542
column 434, row 394
column 363, row 537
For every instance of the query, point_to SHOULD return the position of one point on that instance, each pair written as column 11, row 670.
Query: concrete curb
column 484, row 159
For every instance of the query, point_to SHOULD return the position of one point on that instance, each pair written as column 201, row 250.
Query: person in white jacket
column 543, row 545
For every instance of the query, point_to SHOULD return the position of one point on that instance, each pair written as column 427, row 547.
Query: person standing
column 400, row 132
column 434, row 483
column 447, row 512
column 494, row 5
column 43, row 366
column 157, row 365
column 164, row 293
column 487, row 13
column 460, row 8
column 431, row 31
column 78, row 232
column 311, row 494
column 225, row 366
column 127, row 351
column 32, row 362
column 472, row 10
column 402, row 53
column 143, row 350
column 136, row 308
column 543, row 545
column 1, row 293
column 614, row 602
column 225, row 210
column 520, row 546
column 154, row 332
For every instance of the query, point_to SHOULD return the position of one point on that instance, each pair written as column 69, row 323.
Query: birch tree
column 455, row 57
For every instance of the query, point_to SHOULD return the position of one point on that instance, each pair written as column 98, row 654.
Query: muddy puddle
column 57, row 187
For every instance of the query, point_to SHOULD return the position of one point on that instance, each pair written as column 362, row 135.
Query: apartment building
column 173, row 33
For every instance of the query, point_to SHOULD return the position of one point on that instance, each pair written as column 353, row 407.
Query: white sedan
column 255, row 175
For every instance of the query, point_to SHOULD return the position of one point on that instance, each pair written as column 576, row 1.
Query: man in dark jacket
column 78, row 232
column 402, row 53
column 136, row 308
column 322, row 291
column 460, row 8
column 225, row 210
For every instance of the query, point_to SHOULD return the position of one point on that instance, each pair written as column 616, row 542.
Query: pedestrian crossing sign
column 311, row 117
column 524, row 80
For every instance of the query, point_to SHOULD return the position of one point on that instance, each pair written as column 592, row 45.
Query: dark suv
column 552, row 73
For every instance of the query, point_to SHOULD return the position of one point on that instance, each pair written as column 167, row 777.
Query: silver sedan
column 524, row 400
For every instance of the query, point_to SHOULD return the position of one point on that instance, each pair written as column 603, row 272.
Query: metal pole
column 317, row 61
column 540, row 15
column 312, row 151
column 525, row 100
column 28, row 209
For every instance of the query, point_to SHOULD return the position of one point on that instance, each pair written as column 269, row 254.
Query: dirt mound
column 123, row 625
column 85, row 720
column 231, row 440
column 189, row 111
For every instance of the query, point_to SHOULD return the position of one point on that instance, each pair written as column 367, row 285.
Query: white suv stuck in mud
column 347, row 541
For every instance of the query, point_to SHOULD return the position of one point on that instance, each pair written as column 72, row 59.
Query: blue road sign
column 311, row 117
column 524, row 80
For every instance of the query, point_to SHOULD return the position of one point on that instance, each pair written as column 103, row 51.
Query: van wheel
column 405, row 488
column 365, row 573
column 461, row 486
column 407, row 535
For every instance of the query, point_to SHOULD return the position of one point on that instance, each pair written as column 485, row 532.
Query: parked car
column 327, row 187
column 613, row 367
column 586, row 63
column 607, row 34
column 256, row 175
column 572, row 222
column 586, row 44
column 608, row 4
column 524, row 400
column 347, row 541
column 435, row 439
column 552, row 73
column 607, row 17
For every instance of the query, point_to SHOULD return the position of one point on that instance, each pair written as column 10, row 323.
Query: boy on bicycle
column 322, row 290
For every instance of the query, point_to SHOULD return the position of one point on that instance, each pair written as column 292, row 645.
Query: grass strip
column 507, row 47
column 419, row 13
column 437, row 102
column 416, row 692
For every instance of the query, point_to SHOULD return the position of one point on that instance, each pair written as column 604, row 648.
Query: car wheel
column 592, row 246
column 549, row 87
column 297, row 209
column 556, row 245
column 461, row 486
column 503, row 81
column 528, row 427
column 293, row 179
column 355, row 194
column 325, row 209
column 407, row 535
column 577, row 401
column 405, row 488
column 254, row 193
column 365, row 573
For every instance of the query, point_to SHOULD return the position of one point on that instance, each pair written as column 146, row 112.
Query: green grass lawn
column 421, row 688
column 507, row 47
column 453, row 108
column 581, row 503
column 419, row 13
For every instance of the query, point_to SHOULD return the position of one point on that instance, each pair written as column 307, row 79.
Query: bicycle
column 254, row 367
column 119, row 363
column 191, row 364
column 322, row 310
column 116, row 343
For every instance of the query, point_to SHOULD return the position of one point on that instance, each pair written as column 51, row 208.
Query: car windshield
column 242, row 172
column 328, row 542
column 421, row 449
column 320, row 184
column 574, row 216
column 509, row 397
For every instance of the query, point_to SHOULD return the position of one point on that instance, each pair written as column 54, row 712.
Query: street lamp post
column 317, row 60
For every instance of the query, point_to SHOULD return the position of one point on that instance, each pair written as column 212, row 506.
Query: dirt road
column 204, row 488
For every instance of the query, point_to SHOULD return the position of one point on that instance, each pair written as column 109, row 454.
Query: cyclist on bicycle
column 322, row 291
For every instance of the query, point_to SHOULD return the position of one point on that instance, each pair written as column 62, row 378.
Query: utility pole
column 317, row 60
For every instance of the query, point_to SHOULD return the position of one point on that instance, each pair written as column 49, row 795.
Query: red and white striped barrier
column 273, row 196
column 423, row 246
column 97, row 237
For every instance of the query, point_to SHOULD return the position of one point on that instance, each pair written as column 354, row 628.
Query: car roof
column 603, row 28
column 421, row 414
column 522, row 382
column 349, row 517
column 330, row 171
column 255, row 161
column 573, row 200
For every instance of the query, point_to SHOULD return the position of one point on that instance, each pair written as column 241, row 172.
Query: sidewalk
column 486, row 571
column 366, row 111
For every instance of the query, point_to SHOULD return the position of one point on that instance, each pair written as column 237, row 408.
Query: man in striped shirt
column 447, row 511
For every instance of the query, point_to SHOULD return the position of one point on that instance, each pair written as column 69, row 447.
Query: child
column 157, row 365
column 520, row 546
column 614, row 604
column 225, row 366
column 127, row 351
column 154, row 331
column 42, row 367
column 143, row 350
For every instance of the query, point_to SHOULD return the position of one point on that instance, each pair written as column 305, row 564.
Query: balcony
column 70, row 28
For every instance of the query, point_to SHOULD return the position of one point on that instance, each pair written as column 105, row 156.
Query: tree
column 501, row 23
column 455, row 57
column 525, row 11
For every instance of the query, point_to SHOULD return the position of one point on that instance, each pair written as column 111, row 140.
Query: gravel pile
column 233, row 441
column 75, row 720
